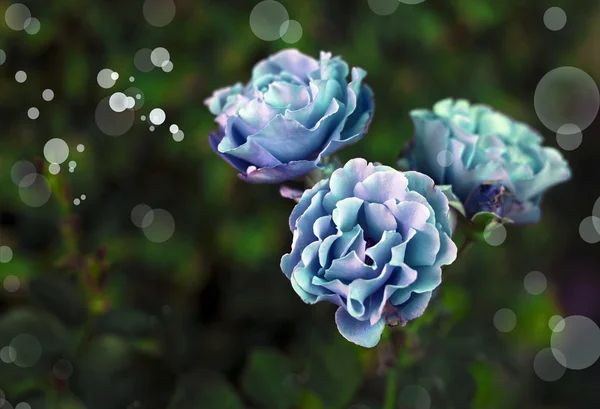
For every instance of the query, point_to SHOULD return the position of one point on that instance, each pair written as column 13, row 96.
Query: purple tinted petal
column 280, row 173
column 382, row 186
column 415, row 306
column 379, row 219
column 359, row 332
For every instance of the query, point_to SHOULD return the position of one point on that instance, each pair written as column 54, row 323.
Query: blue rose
column 294, row 112
column 493, row 163
column 371, row 240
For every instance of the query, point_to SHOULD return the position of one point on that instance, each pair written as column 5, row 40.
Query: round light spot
column 178, row 136
column 16, row 16
column 547, row 365
column 21, row 77
column 131, row 79
column 555, row 18
column 23, row 405
column 28, row 350
column 173, row 128
column 494, row 234
column 159, row 56
column 138, row 97
column 62, row 369
column 8, row 355
column 33, row 113
column 567, row 95
column 161, row 228
column 117, row 102
column 556, row 323
column 71, row 170
column 48, row 95
column 80, row 148
column 2, row 57
column 142, row 60
column 76, row 202
column 113, row 123
column 569, row 137
column 412, row 1
column 32, row 26
column 36, row 194
column 129, row 102
column 54, row 168
column 151, row 128
column 579, row 342
column 414, row 397
column 445, row 158
column 6, row 254
column 56, row 150
column 157, row 116
column 11, row 283
column 266, row 19
column 23, row 173
column 588, row 231
column 72, row 164
column 159, row 13
column 143, row 117
column 384, row 7
column 596, row 215
column 535, row 283
column 505, row 320
column 114, row 76
column 104, row 78
column 139, row 215
column 83, row 197
column 167, row 67
column 291, row 31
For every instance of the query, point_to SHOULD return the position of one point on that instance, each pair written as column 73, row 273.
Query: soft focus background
column 191, row 310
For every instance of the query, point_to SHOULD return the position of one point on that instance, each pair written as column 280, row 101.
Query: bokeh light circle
column 566, row 95
column 48, row 95
column 291, row 31
column 569, row 137
column 159, row 13
column 28, row 350
column 2, row 57
column 266, row 19
column 6, row 254
column 54, row 168
column 596, row 216
column 56, row 150
column 579, row 342
column 505, row 320
column 548, row 365
column 588, row 229
column 113, row 123
column 104, row 78
column 157, row 116
column 22, row 405
column 7, row 355
column 62, row 369
column 11, row 283
column 16, row 16
column 494, row 234
column 138, row 97
column 535, row 282
column 555, row 18
column 556, row 323
column 118, row 102
column 445, row 158
column 32, row 26
column 159, row 56
column 178, row 136
column 167, row 66
column 414, row 397
column 36, row 194
column 139, row 213
column 23, row 173
column 383, row 7
column 21, row 76
column 33, row 113
column 142, row 60
column 161, row 228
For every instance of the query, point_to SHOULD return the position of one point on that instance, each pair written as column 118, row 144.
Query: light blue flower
column 294, row 111
column 371, row 240
column 494, row 164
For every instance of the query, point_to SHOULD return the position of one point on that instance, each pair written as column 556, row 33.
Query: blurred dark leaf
column 269, row 381
column 60, row 296
column 127, row 322
column 204, row 390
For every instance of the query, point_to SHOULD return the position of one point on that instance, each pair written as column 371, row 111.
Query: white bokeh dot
column 80, row 148
column 104, row 78
column 291, row 31
column 56, row 150
column 16, row 16
column 118, row 102
column 76, row 201
column 494, row 234
column 178, row 136
column 6, row 254
column 173, row 128
column 266, row 19
column 159, row 56
column 138, row 215
column 54, row 168
column 505, row 320
column 569, row 137
column 167, row 66
column 578, row 342
column 32, row 26
column 159, row 13
column 11, row 284
column 157, row 116
column 161, row 228
column 33, row 113
column 48, row 95
column 445, row 158
column 548, row 365
column 21, row 76
column 588, row 231
column 535, row 282
column 556, row 323
column 555, row 18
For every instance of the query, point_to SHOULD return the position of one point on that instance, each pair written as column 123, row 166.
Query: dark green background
column 207, row 320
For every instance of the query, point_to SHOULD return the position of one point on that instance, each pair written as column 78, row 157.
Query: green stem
column 390, row 389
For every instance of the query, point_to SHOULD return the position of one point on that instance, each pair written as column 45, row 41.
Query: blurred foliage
column 206, row 319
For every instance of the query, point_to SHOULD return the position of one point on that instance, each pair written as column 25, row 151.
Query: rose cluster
column 369, row 238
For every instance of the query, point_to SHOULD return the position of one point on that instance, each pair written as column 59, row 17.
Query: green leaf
column 204, row 390
column 128, row 322
column 453, row 200
column 334, row 371
column 59, row 296
column 268, row 380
